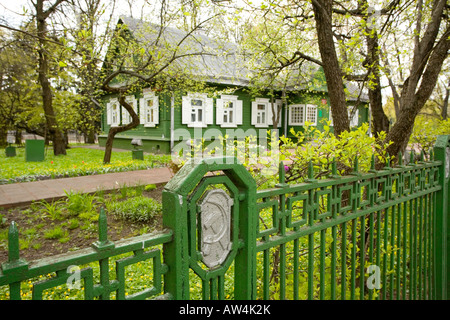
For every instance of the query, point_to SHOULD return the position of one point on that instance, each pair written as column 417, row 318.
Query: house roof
column 206, row 58
column 220, row 62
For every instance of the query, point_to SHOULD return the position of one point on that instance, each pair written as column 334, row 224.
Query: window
column 115, row 113
column 149, row 109
column 126, row 117
column 354, row 121
column 355, row 118
column 260, row 111
column 197, row 110
column 150, row 112
column 311, row 114
column 330, row 117
column 112, row 113
column 296, row 114
column 228, row 111
column 262, row 114
column 300, row 113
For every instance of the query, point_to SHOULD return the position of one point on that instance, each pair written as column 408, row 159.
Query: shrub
column 150, row 187
column 137, row 209
column 425, row 131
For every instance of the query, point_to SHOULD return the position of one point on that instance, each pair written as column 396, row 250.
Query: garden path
column 23, row 193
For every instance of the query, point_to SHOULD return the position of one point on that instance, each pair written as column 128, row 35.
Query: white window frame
column 309, row 114
column 188, row 110
column 311, row 111
column 145, row 110
column 354, row 121
column 260, row 117
column 330, row 117
column 126, row 117
column 113, row 118
column 223, row 111
column 294, row 108
column 266, row 115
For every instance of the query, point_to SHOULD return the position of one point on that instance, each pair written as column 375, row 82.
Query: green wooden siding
column 157, row 139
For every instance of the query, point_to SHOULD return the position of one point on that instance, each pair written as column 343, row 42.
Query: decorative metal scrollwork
column 215, row 219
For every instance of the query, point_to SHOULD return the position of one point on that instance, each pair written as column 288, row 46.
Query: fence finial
column 334, row 173
column 14, row 263
column 103, row 243
column 281, row 175
column 356, row 165
column 372, row 163
column 310, row 172
column 13, row 242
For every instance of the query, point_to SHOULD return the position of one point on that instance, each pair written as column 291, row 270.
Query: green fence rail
column 376, row 235
column 76, row 266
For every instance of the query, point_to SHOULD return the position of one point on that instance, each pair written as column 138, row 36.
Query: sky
column 11, row 11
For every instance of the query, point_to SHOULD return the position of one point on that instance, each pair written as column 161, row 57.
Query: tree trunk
column 59, row 145
column 380, row 120
column 332, row 70
column 445, row 105
column 411, row 104
column 115, row 130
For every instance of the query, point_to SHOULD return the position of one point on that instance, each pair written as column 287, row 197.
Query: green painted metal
column 17, row 270
column 10, row 151
column 181, row 215
column 137, row 154
column 34, row 150
column 376, row 235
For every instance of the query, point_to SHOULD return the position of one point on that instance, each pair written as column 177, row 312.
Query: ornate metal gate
column 210, row 207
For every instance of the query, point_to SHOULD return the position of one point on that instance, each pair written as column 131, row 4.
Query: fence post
column 441, row 227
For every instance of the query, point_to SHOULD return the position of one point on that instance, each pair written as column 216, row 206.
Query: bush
column 425, row 131
column 137, row 209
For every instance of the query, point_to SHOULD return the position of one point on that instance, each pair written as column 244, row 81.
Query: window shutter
column 142, row 108
column 156, row 106
column 238, row 112
column 254, row 111
column 279, row 109
column 209, row 111
column 270, row 113
column 219, row 111
column 108, row 113
column 124, row 114
column 185, row 110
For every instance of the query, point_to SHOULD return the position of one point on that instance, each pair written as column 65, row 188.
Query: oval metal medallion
column 215, row 217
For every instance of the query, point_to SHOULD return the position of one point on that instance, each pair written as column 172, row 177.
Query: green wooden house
column 172, row 119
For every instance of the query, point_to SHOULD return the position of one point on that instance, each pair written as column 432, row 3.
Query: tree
column 20, row 90
column 88, row 35
column 150, row 55
column 350, row 37
column 55, row 133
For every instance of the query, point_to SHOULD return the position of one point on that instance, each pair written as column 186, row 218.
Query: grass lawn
column 77, row 162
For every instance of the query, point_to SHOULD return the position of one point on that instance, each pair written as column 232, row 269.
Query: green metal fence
column 376, row 235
